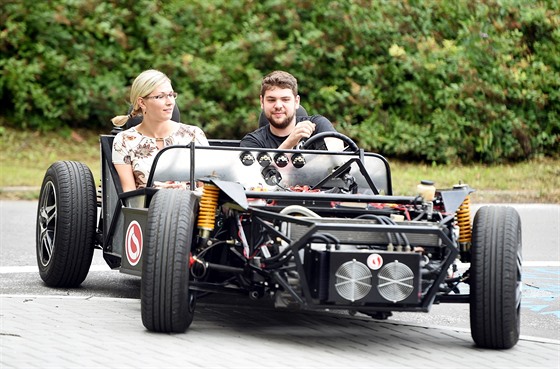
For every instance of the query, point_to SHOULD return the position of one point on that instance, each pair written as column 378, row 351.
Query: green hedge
column 436, row 80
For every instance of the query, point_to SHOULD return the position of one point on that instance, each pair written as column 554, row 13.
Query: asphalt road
column 540, row 315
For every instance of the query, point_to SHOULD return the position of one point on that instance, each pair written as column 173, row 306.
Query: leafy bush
column 442, row 81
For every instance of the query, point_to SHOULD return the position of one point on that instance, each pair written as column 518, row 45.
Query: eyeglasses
column 171, row 95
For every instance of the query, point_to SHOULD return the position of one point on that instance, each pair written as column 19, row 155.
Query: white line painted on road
column 35, row 269
column 105, row 268
column 549, row 263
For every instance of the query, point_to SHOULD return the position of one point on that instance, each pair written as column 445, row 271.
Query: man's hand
column 303, row 129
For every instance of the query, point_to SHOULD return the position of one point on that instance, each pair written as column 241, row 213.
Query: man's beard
column 283, row 124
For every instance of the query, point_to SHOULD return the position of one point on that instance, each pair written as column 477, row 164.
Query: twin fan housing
column 362, row 277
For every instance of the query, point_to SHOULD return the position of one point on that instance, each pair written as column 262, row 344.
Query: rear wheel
column 167, row 304
column 66, row 218
column 496, row 277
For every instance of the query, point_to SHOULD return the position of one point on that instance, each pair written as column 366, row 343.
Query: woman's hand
column 172, row 184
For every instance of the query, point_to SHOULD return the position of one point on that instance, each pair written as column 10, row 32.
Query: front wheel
column 66, row 218
column 496, row 277
column 167, row 304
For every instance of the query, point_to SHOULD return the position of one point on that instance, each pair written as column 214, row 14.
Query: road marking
column 105, row 268
column 35, row 269
column 550, row 263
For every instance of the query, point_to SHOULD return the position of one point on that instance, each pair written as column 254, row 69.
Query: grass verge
column 27, row 155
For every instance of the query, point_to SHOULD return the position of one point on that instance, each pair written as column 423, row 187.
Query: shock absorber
column 207, row 211
column 465, row 228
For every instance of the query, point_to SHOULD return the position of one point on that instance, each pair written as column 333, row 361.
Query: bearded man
column 279, row 103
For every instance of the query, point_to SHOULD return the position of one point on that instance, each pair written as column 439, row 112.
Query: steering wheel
column 347, row 140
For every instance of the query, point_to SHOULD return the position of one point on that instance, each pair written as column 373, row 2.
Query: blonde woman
column 134, row 150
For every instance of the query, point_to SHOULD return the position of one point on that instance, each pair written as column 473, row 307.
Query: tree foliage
column 451, row 80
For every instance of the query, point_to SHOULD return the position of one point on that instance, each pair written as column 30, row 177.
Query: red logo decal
column 375, row 261
column 133, row 243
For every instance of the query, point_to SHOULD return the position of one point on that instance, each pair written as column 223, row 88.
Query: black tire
column 167, row 304
column 66, row 224
column 496, row 278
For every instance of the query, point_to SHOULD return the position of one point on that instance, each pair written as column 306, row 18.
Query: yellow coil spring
column 464, row 221
column 208, row 205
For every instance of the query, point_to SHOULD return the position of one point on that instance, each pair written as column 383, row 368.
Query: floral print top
column 133, row 148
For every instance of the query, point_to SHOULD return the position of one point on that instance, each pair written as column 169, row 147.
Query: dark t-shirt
column 263, row 138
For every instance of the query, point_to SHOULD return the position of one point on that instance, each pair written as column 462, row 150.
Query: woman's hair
column 279, row 79
column 143, row 85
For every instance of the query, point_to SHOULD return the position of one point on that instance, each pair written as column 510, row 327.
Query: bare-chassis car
column 308, row 229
